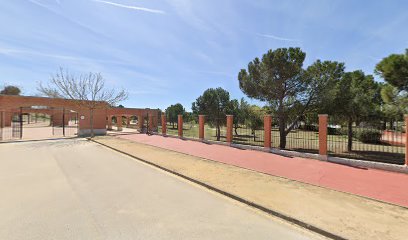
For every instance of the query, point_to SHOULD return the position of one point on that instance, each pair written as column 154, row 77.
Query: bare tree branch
column 88, row 90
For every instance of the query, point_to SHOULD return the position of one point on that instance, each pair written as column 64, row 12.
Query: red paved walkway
column 385, row 186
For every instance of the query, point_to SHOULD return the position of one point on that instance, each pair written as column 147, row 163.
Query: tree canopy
column 356, row 99
column 240, row 110
column 394, row 70
column 173, row 111
column 280, row 80
column 10, row 90
column 215, row 103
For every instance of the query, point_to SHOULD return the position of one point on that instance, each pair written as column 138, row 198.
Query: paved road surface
column 73, row 189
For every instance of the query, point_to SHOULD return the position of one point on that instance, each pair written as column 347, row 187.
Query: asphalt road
column 74, row 189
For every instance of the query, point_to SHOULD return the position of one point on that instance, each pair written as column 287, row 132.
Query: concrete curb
column 38, row 140
column 235, row 197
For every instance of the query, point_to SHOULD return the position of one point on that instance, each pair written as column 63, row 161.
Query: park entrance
column 38, row 122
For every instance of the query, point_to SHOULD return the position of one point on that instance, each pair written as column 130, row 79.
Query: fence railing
column 366, row 139
column 190, row 128
column 248, row 135
column 303, row 135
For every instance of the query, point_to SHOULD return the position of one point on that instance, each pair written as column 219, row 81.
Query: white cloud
column 131, row 7
column 25, row 53
column 187, row 10
column 278, row 38
column 38, row 3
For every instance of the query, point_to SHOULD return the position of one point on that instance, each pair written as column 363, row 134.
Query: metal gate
column 64, row 122
column 17, row 126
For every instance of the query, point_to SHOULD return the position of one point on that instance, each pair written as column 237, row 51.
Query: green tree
column 173, row 111
column 10, row 90
column 394, row 70
column 280, row 80
column 254, row 119
column 394, row 103
column 240, row 110
column 215, row 103
column 355, row 100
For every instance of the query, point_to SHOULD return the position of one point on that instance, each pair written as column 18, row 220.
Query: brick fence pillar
column 7, row 119
column 151, row 124
column 180, row 126
column 201, row 122
column 230, row 121
column 164, row 124
column 267, row 131
column 119, row 123
column 127, row 121
column 140, row 122
column 406, row 139
column 323, row 118
column 109, row 122
column 2, row 118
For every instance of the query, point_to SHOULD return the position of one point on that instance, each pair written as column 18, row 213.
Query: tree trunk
column 350, row 135
column 282, row 132
column 254, row 134
column 91, row 123
column 391, row 125
column 235, row 129
column 218, row 132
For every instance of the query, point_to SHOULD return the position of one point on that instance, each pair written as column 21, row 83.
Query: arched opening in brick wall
column 38, row 122
column 57, row 117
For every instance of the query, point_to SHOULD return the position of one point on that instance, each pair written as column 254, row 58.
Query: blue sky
column 169, row 51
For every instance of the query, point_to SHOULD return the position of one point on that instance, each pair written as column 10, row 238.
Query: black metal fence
column 190, row 127
column 248, row 134
column 301, row 134
column 370, row 139
column 10, row 126
column 215, row 129
column 172, row 128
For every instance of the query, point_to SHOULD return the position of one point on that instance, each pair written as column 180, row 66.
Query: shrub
column 369, row 136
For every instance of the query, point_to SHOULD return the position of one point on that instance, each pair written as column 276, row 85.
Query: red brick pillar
column 323, row 118
column 127, row 121
column 151, row 124
column 7, row 119
column 140, row 121
column 406, row 139
column 180, row 125
column 164, row 124
column 201, row 122
column 119, row 123
column 230, row 121
column 156, row 120
column 109, row 122
column 267, row 131
column 2, row 118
